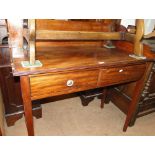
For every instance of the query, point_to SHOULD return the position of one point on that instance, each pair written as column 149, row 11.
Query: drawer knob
column 70, row 83
column 121, row 70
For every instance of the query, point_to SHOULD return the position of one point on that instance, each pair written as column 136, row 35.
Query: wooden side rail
column 77, row 35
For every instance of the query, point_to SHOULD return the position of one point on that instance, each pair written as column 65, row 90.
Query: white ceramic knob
column 70, row 83
column 121, row 70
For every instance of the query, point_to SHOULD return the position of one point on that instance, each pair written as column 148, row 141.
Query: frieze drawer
column 119, row 75
column 62, row 83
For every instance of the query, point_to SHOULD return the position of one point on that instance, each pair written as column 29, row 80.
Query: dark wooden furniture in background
column 89, row 95
column 2, row 120
column 11, row 91
column 10, row 86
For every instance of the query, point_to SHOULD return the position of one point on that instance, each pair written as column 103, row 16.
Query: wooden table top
column 72, row 58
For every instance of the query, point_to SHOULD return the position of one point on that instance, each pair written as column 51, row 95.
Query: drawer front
column 120, row 75
column 63, row 83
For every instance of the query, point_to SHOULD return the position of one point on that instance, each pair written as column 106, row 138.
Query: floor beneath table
column 69, row 117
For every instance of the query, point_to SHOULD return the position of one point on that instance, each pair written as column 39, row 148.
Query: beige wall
column 1, row 114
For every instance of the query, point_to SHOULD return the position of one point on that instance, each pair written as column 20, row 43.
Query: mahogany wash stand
column 51, row 71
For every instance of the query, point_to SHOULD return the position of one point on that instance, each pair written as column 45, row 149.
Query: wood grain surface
column 77, row 35
column 120, row 75
column 56, row 84
column 55, row 59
